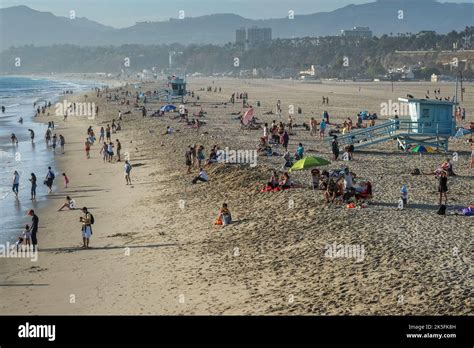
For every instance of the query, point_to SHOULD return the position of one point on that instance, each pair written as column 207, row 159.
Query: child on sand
column 404, row 195
column 443, row 187
column 224, row 218
column 128, row 169
column 66, row 180
column 24, row 238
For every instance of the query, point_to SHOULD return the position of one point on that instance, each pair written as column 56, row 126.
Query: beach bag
column 92, row 218
column 441, row 210
column 218, row 221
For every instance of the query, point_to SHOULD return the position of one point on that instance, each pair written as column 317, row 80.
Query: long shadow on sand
column 421, row 206
column 107, row 247
column 24, row 284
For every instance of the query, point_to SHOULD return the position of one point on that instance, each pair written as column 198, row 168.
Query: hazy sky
column 122, row 13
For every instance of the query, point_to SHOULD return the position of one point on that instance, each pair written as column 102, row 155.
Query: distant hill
column 21, row 25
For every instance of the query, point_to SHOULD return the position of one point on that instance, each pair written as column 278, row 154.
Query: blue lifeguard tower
column 430, row 122
column 176, row 89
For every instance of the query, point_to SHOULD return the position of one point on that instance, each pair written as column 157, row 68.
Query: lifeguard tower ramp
column 431, row 123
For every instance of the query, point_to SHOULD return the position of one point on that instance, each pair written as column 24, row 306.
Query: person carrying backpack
column 87, row 222
column 49, row 179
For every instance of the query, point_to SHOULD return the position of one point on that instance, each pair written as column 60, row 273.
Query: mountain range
column 21, row 25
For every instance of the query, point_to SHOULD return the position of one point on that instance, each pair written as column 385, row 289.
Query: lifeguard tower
column 176, row 89
column 430, row 122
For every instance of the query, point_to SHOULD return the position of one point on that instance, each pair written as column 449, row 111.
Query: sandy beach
column 155, row 249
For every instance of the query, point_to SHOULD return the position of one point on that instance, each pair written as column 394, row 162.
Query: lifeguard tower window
column 425, row 116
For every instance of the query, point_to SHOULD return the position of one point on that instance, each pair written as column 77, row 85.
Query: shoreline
column 177, row 262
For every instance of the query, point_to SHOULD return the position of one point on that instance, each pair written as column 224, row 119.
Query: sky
column 124, row 13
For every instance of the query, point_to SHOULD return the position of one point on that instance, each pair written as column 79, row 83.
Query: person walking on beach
column 33, row 186
column 49, row 178
column 16, row 183
column 55, row 140
column 119, row 148
column 34, row 228
column 14, row 139
column 322, row 128
column 62, row 142
column 284, row 139
column 188, row 157
column 87, row 145
column 110, row 151
column 66, row 180
column 128, row 169
column 200, row 155
column 103, row 151
column 32, row 135
column 312, row 126
column 107, row 133
column 102, row 135
column 47, row 136
column 335, row 148
column 87, row 221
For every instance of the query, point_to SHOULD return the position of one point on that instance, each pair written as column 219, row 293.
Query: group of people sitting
column 341, row 183
column 277, row 183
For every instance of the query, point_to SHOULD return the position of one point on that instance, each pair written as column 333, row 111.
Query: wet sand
column 153, row 255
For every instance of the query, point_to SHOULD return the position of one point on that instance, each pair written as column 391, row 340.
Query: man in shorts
column 128, row 169
column 86, row 227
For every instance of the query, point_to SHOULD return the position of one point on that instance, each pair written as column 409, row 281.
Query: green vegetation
column 334, row 56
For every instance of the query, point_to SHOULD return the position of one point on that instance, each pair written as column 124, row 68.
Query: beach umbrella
column 422, row 149
column 309, row 162
column 167, row 108
column 248, row 116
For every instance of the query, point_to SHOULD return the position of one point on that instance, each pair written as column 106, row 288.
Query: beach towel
column 468, row 211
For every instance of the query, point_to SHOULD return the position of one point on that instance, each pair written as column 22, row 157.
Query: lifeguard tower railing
column 406, row 132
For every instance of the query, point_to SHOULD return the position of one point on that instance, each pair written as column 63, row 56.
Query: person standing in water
column 33, row 186
column 62, row 142
column 49, row 179
column 34, row 228
column 32, row 135
column 16, row 183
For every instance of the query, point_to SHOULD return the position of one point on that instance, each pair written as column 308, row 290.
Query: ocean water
column 18, row 94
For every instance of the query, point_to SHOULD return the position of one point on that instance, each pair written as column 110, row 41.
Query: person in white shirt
column 70, row 204
column 265, row 131
column 201, row 177
column 348, row 180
